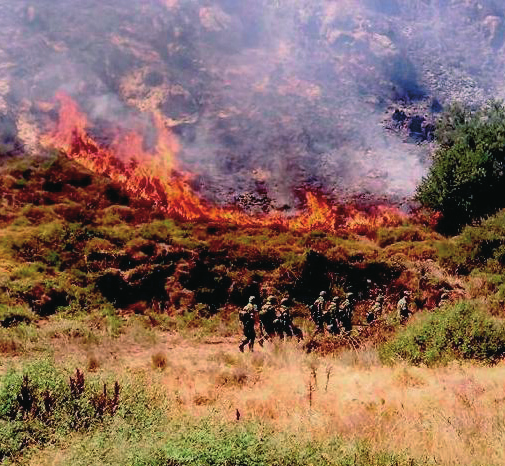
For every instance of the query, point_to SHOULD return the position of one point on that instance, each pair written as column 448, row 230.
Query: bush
column 467, row 178
column 254, row 444
column 477, row 247
column 459, row 332
column 41, row 400
column 15, row 315
column 159, row 360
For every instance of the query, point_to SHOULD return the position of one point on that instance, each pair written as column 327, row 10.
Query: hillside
column 96, row 279
column 163, row 163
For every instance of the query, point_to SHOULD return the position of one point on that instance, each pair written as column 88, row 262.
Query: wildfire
column 155, row 176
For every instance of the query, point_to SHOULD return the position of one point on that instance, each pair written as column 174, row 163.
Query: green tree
column 467, row 179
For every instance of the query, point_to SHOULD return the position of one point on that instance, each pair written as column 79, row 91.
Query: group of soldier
column 273, row 321
column 334, row 316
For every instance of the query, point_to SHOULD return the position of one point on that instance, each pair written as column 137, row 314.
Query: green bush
column 254, row 444
column 12, row 315
column 41, row 401
column 460, row 332
column 467, row 178
column 477, row 247
column 204, row 442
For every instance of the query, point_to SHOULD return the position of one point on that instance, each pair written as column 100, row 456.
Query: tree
column 467, row 178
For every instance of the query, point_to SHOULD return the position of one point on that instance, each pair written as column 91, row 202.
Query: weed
column 159, row 360
column 93, row 363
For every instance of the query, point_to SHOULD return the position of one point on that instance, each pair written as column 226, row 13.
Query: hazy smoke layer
column 267, row 96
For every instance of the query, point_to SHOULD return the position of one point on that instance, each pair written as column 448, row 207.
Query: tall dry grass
column 453, row 415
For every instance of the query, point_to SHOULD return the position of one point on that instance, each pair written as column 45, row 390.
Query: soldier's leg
column 243, row 343
column 252, row 337
column 298, row 333
column 246, row 339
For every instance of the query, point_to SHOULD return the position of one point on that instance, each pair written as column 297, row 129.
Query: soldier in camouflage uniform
column 267, row 317
column 403, row 307
column 346, row 312
column 376, row 309
column 317, row 311
column 289, row 329
column 332, row 315
column 247, row 318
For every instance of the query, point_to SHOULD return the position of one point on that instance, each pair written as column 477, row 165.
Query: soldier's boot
column 241, row 347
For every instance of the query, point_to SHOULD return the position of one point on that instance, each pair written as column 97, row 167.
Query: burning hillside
column 268, row 100
column 155, row 177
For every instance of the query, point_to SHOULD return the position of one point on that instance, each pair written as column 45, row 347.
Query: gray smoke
column 267, row 97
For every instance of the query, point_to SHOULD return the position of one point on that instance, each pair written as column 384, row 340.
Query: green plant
column 14, row 315
column 41, row 400
column 467, row 178
column 462, row 331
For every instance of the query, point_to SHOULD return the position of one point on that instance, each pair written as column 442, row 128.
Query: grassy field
column 187, row 401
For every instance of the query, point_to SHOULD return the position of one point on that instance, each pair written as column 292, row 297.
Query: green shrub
column 460, row 332
column 159, row 230
column 14, row 315
column 478, row 246
column 391, row 235
column 467, row 178
column 40, row 401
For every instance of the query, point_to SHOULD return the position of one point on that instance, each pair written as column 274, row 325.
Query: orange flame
column 154, row 176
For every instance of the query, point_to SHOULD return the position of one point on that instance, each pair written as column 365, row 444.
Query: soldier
column 267, row 317
column 346, row 311
column 376, row 309
column 247, row 318
column 332, row 316
column 317, row 311
column 403, row 308
column 286, row 321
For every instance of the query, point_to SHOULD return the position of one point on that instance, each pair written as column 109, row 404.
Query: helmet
column 284, row 300
column 406, row 292
column 335, row 299
column 349, row 294
column 323, row 293
column 251, row 299
column 271, row 298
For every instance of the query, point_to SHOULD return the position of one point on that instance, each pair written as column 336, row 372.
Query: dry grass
column 93, row 363
column 453, row 415
column 159, row 360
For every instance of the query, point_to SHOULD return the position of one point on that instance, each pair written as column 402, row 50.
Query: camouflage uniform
column 267, row 317
column 376, row 309
column 247, row 318
column 346, row 311
column 403, row 308
column 318, row 310
column 286, row 322
column 332, row 316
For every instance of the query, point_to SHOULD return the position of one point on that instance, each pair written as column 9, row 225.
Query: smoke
column 266, row 97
